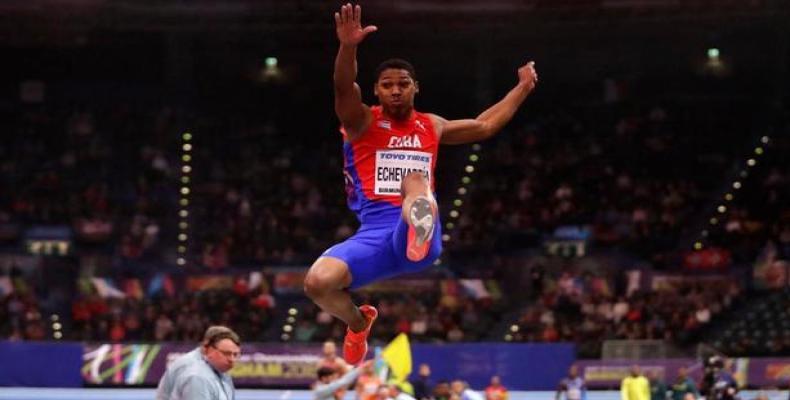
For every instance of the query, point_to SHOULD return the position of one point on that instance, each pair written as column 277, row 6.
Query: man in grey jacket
column 202, row 374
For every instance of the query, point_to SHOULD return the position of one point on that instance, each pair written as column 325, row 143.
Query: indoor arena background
column 170, row 165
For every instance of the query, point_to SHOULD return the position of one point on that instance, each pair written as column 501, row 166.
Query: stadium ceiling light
column 744, row 174
column 438, row 261
column 462, row 191
column 722, row 209
column 474, row 158
column 469, row 169
column 751, row 162
column 184, row 190
column 453, row 214
column 183, row 213
column 765, row 139
column 293, row 311
column 57, row 335
column 186, row 147
column 476, row 147
column 704, row 233
column 186, row 169
column 714, row 221
column 450, row 225
column 698, row 246
column 759, row 150
column 54, row 317
column 736, row 185
column 728, row 197
column 182, row 237
column 465, row 180
column 458, row 202
column 181, row 261
column 446, row 237
column 285, row 337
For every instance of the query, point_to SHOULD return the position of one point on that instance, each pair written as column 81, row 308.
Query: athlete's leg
column 420, row 212
column 326, row 284
column 350, row 264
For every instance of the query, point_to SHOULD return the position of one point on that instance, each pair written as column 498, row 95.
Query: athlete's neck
column 398, row 114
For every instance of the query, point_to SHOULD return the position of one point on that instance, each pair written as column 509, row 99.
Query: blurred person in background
column 422, row 383
column 464, row 392
column 330, row 358
column 573, row 386
column 658, row 388
column 202, row 374
column 368, row 384
column 495, row 390
column 683, row 385
column 725, row 387
column 442, row 391
column 399, row 392
column 331, row 385
column 635, row 386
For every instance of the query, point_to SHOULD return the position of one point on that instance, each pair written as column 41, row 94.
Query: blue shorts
column 378, row 251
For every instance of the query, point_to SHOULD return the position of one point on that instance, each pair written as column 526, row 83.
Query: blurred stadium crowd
column 632, row 179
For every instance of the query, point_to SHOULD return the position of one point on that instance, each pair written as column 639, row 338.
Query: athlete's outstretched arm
column 494, row 118
column 353, row 114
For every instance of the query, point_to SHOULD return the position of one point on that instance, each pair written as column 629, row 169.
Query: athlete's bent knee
column 314, row 286
column 413, row 182
column 324, row 277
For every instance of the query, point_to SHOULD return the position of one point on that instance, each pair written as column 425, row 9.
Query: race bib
column 574, row 394
column 393, row 165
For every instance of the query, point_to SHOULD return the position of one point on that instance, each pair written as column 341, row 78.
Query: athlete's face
column 395, row 90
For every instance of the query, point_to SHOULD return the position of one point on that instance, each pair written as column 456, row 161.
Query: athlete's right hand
column 348, row 26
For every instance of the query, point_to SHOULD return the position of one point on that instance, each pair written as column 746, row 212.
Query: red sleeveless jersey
column 378, row 160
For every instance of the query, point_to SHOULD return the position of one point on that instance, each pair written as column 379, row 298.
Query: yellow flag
column 397, row 354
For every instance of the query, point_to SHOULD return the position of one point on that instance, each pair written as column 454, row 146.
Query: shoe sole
column 421, row 228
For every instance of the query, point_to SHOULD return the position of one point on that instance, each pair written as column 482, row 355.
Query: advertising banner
column 144, row 364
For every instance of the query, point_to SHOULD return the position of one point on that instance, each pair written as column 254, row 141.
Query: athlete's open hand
column 348, row 26
column 528, row 76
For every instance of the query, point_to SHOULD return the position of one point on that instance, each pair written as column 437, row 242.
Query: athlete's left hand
column 527, row 75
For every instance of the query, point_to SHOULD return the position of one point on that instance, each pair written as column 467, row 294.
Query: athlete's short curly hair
column 396, row 63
